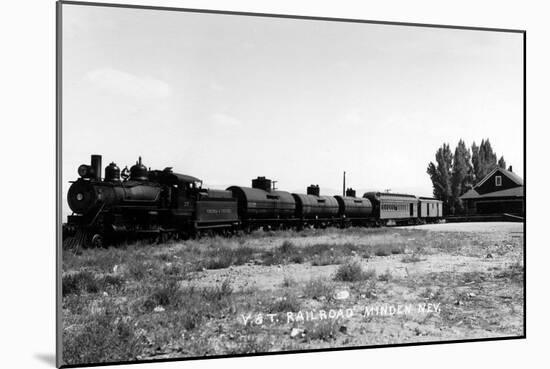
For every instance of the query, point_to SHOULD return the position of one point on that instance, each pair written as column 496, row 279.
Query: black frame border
column 58, row 118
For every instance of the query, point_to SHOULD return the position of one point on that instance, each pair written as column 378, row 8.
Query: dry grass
column 326, row 330
column 411, row 258
column 353, row 272
column 140, row 301
column 317, row 288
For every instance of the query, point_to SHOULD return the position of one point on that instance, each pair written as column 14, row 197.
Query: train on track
column 164, row 204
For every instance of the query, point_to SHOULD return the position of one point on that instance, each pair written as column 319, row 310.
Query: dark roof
column 185, row 178
column 511, row 192
column 470, row 194
column 167, row 176
column 513, row 176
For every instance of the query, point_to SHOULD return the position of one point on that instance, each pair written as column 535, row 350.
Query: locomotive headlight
column 83, row 170
column 79, row 196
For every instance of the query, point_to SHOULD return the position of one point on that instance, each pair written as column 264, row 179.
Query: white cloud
column 215, row 86
column 127, row 84
column 224, row 120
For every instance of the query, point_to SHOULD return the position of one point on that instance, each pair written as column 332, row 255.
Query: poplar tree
column 502, row 162
column 461, row 178
column 475, row 162
column 484, row 160
column 488, row 159
column 440, row 173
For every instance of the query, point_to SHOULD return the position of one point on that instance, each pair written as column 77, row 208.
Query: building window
column 498, row 181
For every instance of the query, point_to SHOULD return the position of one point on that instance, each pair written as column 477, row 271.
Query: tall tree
column 461, row 178
column 488, row 159
column 484, row 160
column 475, row 162
column 440, row 174
column 502, row 162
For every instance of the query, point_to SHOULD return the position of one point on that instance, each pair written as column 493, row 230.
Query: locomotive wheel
column 95, row 241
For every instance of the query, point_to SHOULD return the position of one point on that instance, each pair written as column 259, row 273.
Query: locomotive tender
column 164, row 204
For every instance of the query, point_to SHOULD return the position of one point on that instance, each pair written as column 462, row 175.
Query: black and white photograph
column 238, row 184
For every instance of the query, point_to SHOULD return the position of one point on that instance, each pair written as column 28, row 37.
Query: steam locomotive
column 165, row 204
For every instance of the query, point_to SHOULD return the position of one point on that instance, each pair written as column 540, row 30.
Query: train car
column 393, row 208
column 262, row 206
column 430, row 209
column 193, row 208
column 314, row 209
column 354, row 210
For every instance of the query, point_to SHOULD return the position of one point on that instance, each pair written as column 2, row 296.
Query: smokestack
column 96, row 166
column 344, row 185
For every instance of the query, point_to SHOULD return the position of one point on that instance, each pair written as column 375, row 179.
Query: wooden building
column 500, row 192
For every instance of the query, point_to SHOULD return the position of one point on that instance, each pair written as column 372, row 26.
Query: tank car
column 354, row 210
column 263, row 206
column 314, row 209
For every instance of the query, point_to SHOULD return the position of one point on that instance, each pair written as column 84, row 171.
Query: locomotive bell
column 138, row 172
column 112, row 173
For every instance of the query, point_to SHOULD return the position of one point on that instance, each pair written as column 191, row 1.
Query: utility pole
column 344, row 185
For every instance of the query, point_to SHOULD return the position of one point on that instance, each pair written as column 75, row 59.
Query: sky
column 228, row 98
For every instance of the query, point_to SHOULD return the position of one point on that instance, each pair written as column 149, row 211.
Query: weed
column 386, row 276
column 224, row 257
column 166, row 295
column 352, row 272
column 326, row 259
column 103, row 337
column 326, row 330
column 513, row 272
column 397, row 250
column 77, row 282
column 288, row 302
column 411, row 258
column 287, row 247
column 289, row 282
column 318, row 287
column 381, row 251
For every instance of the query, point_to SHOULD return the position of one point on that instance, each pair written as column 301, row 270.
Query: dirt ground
column 287, row 290
column 485, row 227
